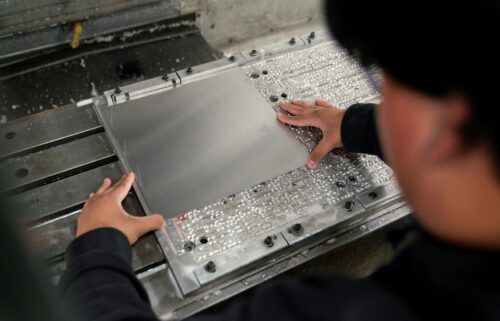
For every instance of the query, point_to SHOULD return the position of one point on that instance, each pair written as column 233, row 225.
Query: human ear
column 446, row 140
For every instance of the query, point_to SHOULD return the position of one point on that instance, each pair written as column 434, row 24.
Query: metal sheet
column 202, row 141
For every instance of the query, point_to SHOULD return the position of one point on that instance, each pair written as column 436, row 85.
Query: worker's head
column 438, row 120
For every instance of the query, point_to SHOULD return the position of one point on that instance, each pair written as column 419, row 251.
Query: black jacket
column 429, row 280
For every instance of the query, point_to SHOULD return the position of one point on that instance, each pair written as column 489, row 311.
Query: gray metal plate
column 202, row 141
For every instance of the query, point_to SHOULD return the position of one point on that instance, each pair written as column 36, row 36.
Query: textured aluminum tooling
column 214, row 243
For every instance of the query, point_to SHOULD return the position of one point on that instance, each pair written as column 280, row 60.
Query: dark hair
column 435, row 46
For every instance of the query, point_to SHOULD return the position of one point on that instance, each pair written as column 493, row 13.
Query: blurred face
column 405, row 127
column 452, row 189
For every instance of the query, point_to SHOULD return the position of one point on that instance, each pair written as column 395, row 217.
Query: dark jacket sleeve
column 359, row 131
column 99, row 283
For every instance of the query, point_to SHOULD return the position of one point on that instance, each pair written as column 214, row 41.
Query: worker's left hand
column 322, row 115
column 104, row 209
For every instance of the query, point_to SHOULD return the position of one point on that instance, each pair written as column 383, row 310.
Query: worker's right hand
column 322, row 115
column 104, row 209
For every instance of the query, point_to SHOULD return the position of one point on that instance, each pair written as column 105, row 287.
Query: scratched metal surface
column 200, row 142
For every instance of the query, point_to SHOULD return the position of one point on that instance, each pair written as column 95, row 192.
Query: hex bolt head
column 268, row 241
column 118, row 90
column 253, row 53
column 292, row 41
column 189, row 246
column 348, row 206
column 232, row 58
column 312, row 35
column 273, row 98
column 210, row 267
column 296, row 229
column 165, row 77
column 372, row 195
column 189, row 70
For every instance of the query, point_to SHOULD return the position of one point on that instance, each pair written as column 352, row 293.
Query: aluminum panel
column 201, row 141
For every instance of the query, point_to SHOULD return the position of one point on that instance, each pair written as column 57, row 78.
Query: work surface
column 304, row 213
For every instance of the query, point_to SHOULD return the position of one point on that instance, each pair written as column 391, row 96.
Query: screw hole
column 273, row 98
column 189, row 246
column 203, row 240
column 10, row 135
column 22, row 172
column 255, row 75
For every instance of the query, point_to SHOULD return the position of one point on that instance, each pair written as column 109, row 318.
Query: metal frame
column 198, row 288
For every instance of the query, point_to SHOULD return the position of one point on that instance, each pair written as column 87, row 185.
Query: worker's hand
column 104, row 209
column 322, row 115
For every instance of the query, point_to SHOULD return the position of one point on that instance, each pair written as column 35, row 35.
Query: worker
column 437, row 127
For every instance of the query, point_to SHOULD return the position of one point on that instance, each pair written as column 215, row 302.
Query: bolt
column 273, row 98
column 189, row 70
column 174, row 82
column 352, row 178
column 265, row 72
column 268, row 241
column 292, row 41
column 284, row 95
column 165, row 77
column 232, row 58
column 296, row 229
column 312, row 35
column 373, row 195
column 340, row 184
column 210, row 267
column 203, row 240
column 348, row 206
column 118, row 90
column 189, row 246
column 253, row 53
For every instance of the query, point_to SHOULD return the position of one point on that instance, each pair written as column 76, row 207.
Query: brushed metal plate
column 200, row 142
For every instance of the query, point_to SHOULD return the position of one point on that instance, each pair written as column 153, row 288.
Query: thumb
column 148, row 223
column 323, row 148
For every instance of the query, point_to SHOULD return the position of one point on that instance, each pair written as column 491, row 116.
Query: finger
column 121, row 189
column 295, row 120
column 146, row 224
column 323, row 148
column 324, row 103
column 302, row 103
column 292, row 109
column 104, row 186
